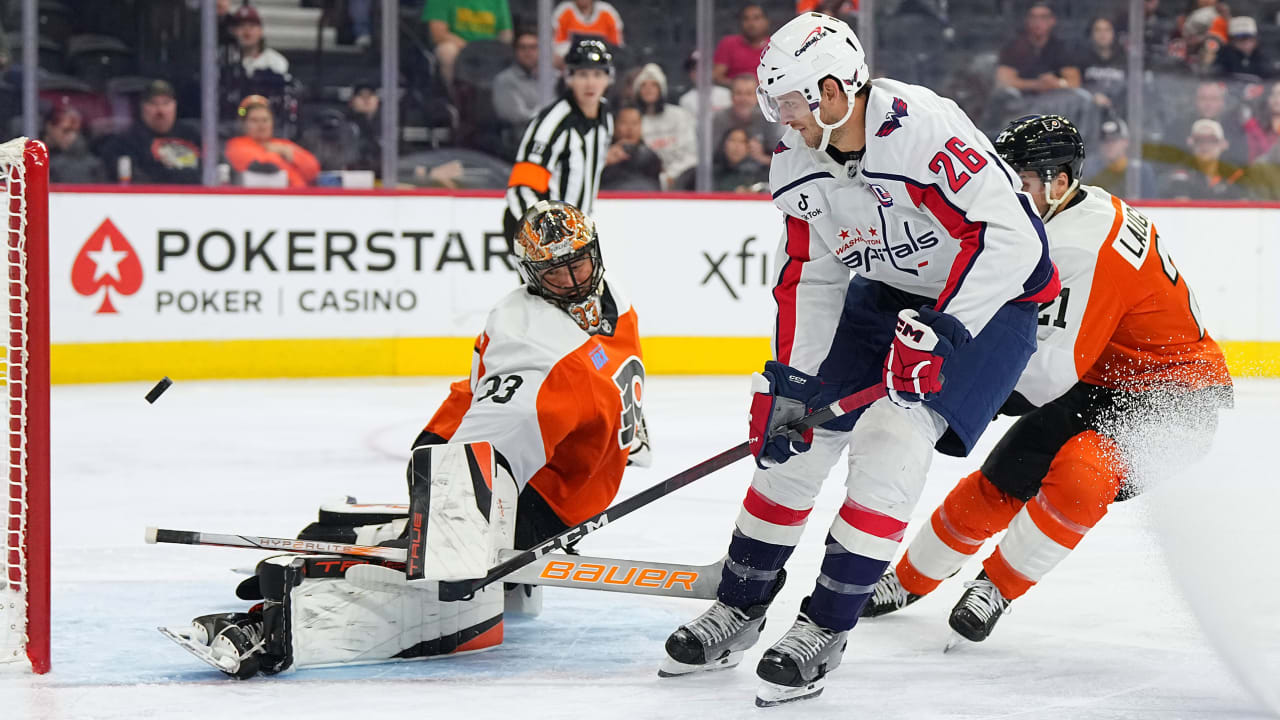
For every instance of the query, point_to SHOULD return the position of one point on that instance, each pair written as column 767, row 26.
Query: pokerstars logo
column 106, row 262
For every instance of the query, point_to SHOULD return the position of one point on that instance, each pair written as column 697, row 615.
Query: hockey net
column 24, row 564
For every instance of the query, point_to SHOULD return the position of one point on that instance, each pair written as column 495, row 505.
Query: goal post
column 24, row 592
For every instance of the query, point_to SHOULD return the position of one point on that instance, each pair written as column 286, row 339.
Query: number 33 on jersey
column 563, row 408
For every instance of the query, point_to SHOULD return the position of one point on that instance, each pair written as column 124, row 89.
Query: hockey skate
column 796, row 667
column 230, row 642
column 716, row 639
column 975, row 615
column 888, row 596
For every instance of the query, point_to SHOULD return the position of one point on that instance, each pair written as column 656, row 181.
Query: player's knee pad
column 890, row 450
column 313, row 616
column 1082, row 481
column 795, row 483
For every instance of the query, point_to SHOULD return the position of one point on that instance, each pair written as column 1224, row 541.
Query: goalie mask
column 559, row 254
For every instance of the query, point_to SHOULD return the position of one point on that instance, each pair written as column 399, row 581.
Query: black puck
column 159, row 389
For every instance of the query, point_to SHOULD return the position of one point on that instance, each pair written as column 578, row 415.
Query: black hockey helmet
column 1048, row 144
column 589, row 52
column 556, row 235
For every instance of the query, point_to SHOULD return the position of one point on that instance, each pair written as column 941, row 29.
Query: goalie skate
column 229, row 642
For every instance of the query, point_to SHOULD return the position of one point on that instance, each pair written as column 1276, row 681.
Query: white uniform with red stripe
column 929, row 210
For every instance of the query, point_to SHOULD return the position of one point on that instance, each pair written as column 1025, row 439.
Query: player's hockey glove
column 922, row 342
column 780, row 396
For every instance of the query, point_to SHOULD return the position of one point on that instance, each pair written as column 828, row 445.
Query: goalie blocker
column 313, row 612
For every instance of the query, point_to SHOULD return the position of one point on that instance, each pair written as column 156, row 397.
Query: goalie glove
column 781, row 395
column 922, row 342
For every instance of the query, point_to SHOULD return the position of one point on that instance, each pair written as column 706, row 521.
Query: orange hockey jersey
column 1125, row 317
column 564, row 408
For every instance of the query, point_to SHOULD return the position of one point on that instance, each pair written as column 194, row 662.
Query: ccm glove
column 922, row 342
column 781, row 395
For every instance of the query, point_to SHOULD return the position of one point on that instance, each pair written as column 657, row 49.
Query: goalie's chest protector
column 562, row 406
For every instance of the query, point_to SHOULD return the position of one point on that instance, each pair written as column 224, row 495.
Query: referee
column 562, row 153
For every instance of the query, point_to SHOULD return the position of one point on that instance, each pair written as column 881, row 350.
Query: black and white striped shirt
column 560, row 158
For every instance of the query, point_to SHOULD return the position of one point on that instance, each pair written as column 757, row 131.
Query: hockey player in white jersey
column 894, row 184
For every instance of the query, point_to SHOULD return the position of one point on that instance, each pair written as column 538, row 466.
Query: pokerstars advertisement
column 129, row 267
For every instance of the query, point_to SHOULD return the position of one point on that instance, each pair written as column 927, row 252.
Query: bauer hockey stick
column 462, row 589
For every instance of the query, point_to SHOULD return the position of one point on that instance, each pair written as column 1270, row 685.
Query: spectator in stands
column 363, row 110
column 348, row 139
column 1241, row 56
column 1103, row 66
column 228, row 47
column 69, row 158
column 744, row 114
column 1157, row 32
column 515, row 89
column 578, row 18
column 1113, row 147
column 159, row 149
column 454, row 23
column 735, row 169
column 1036, row 61
column 360, row 12
column 630, row 164
column 255, row 56
column 1263, row 128
column 1211, row 103
column 667, row 128
column 740, row 54
column 259, row 151
column 720, row 95
column 1203, row 33
column 1209, row 176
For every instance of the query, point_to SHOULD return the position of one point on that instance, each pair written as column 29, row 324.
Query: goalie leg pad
column 462, row 508
column 314, row 617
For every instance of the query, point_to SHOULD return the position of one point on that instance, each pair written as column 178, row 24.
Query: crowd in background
column 119, row 93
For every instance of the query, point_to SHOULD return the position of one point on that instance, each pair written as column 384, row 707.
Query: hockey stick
column 463, row 589
column 458, row 590
column 574, row 571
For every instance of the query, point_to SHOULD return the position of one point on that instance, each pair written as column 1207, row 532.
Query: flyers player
column 548, row 420
column 1124, row 387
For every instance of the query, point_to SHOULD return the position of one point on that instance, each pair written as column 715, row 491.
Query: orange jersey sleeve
column 1125, row 317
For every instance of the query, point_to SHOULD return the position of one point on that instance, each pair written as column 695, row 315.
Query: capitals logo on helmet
column 801, row 54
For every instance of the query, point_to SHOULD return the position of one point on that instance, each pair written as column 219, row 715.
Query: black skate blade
column 771, row 695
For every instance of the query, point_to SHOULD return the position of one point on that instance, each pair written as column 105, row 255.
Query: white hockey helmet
column 799, row 55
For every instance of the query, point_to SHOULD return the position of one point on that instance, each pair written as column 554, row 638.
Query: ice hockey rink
column 1169, row 609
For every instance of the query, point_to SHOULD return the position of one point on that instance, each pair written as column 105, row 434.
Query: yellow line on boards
column 230, row 359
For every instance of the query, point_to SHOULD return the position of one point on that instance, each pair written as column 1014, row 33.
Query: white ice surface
column 1107, row 635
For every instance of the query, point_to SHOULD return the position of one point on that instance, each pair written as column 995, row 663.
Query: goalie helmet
column 553, row 240
column 1046, row 145
column 808, row 49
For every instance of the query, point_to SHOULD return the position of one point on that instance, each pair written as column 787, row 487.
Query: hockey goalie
column 534, row 442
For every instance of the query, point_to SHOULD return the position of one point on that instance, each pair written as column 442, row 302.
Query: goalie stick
column 576, row 571
column 462, row 589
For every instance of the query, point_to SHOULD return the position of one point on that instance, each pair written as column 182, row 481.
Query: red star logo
column 844, row 233
column 872, row 230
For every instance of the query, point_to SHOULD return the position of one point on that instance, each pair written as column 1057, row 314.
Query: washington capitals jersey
column 562, row 407
column 930, row 209
column 1125, row 317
